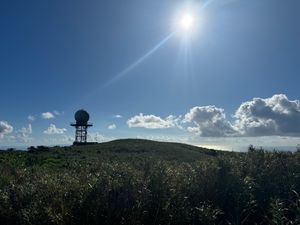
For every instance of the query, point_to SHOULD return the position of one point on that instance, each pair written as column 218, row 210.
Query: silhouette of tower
column 82, row 117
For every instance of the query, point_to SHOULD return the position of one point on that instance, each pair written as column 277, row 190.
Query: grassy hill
column 138, row 148
column 146, row 182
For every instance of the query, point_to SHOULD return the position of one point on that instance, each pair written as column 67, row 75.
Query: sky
column 229, row 79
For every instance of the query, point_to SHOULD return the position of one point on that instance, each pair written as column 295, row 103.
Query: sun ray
column 139, row 61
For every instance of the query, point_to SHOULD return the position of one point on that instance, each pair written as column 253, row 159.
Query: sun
column 186, row 22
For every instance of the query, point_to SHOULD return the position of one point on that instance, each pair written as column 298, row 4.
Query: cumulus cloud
column 48, row 115
column 274, row 116
column 52, row 129
column 152, row 121
column 5, row 128
column 209, row 121
column 270, row 116
column 112, row 126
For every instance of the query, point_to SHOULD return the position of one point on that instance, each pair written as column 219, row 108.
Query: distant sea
column 279, row 148
column 267, row 148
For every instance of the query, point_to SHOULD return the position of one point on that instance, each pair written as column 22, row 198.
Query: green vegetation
column 144, row 182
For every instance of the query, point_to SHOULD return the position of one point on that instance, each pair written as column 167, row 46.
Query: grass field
column 145, row 182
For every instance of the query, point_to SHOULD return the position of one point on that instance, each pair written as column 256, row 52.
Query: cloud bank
column 274, row 116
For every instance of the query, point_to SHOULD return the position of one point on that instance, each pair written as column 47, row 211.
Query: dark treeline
column 149, row 183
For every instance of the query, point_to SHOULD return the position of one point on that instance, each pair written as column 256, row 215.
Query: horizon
column 23, row 147
column 206, row 73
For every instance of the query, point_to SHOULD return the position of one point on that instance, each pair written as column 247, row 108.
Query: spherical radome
column 82, row 116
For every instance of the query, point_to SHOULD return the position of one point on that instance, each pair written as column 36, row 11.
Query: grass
column 146, row 182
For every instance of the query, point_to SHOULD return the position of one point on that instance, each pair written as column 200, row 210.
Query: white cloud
column 31, row 118
column 47, row 115
column 253, row 122
column 152, row 121
column 97, row 137
column 52, row 129
column 209, row 121
column 270, row 116
column 112, row 126
column 117, row 116
column 193, row 129
column 26, row 130
column 23, row 135
column 259, row 117
column 5, row 128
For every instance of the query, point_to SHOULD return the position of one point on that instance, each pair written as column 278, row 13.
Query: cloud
column 118, row 116
column 112, row 126
column 270, row 116
column 5, row 128
column 97, row 137
column 193, row 129
column 209, row 121
column 23, row 135
column 151, row 121
column 52, row 129
column 31, row 118
column 48, row 115
column 26, row 130
column 274, row 116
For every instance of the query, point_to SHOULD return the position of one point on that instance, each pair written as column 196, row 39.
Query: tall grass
column 73, row 186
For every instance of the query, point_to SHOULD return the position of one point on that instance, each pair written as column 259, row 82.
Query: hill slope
column 120, row 150
column 135, row 147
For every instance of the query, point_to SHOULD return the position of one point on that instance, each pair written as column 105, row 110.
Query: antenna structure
column 81, row 117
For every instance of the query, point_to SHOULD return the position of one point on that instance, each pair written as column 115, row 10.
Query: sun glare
column 186, row 22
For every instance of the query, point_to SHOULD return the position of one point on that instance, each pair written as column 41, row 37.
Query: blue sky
column 60, row 56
